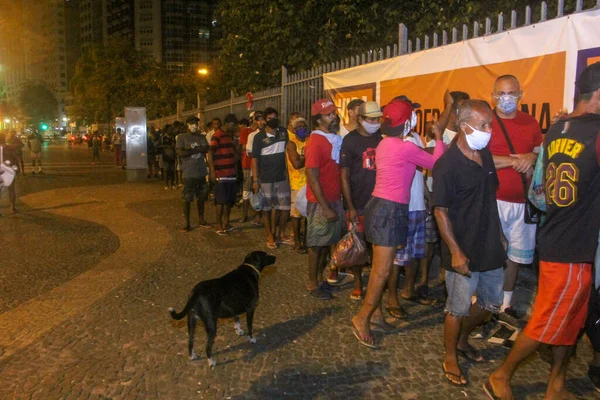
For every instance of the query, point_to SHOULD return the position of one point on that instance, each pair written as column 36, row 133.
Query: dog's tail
column 177, row 316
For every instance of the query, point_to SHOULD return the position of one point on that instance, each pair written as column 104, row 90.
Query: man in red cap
column 324, row 194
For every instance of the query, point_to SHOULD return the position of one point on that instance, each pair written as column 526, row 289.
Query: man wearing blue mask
column 515, row 144
column 298, row 133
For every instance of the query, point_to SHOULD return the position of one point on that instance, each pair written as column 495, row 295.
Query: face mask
column 413, row 120
column 193, row 128
column 507, row 103
column 302, row 132
column 477, row 140
column 370, row 128
column 273, row 123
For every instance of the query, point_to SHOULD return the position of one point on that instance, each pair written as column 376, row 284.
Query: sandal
column 450, row 381
column 357, row 295
column 397, row 312
column 387, row 328
column 471, row 355
column 489, row 390
column 424, row 301
column 286, row 240
column 320, row 294
column 366, row 340
column 185, row 229
column 300, row 250
column 272, row 245
column 221, row 232
column 205, row 225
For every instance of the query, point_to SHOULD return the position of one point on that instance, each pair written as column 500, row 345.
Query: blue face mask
column 302, row 133
column 507, row 103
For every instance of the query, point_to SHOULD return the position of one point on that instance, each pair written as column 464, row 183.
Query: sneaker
column 511, row 319
column 485, row 331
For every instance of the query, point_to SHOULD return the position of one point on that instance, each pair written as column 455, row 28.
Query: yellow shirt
column 297, row 176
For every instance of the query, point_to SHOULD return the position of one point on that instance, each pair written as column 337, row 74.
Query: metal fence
column 298, row 91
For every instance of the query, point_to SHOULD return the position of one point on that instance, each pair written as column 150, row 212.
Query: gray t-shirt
column 193, row 166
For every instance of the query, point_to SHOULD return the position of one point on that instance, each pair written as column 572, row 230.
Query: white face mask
column 370, row 128
column 413, row 120
column 477, row 140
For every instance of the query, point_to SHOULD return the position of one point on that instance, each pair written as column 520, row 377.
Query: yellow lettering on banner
column 569, row 147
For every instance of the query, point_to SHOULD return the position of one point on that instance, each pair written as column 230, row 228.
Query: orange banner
column 542, row 80
column 342, row 97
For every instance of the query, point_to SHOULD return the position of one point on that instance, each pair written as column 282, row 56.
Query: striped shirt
column 223, row 149
column 270, row 151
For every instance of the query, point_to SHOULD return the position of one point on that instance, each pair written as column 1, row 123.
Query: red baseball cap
column 395, row 115
column 322, row 107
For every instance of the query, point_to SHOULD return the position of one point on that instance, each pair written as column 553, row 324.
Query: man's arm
column 312, row 176
column 296, row 159
column 211, row 167
column 255, row 185
column 442, row 121
column 460, row 263
column 347, row 192
column 520, row 162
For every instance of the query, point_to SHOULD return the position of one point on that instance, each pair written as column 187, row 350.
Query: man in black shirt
column 357, row 164
column 566, row 242
column 464, row 197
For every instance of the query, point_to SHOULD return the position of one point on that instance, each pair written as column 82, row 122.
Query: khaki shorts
column 294, row 213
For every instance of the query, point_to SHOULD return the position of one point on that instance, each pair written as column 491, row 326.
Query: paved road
column 95, row 261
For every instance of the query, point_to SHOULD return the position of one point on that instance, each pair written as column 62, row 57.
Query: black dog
column 229, row 296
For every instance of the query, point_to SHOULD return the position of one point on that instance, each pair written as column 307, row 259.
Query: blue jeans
column 488, row 285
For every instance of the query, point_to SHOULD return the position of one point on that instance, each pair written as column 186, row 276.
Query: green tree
column 263, row 35
column 38, row 103
column 109, row 78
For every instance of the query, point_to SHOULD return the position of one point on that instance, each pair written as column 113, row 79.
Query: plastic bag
column 257, row 200
column 7, row 171
column 300, row 203
column 350, row 251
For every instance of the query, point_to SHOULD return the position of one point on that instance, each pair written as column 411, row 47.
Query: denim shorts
column 488, row 285
column 386, row 222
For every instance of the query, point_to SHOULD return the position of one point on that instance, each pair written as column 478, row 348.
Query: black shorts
column 225, row 192
column 194, row 187
column 386, row 222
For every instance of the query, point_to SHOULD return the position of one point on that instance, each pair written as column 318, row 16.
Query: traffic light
column 44, row 127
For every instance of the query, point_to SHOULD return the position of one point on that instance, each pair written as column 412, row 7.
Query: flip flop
column 489, row 391
column 320, row 294
column 185, row 229
column 271, row 245
column 450, row 381
column 205, row 225
column 221, row 233
column 231, row 228
column 421, row 300
column 470, row 355
column 396, row 312
column 364, row 340
column 375, row 327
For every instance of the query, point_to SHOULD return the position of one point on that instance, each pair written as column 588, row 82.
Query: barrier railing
column 298, row 91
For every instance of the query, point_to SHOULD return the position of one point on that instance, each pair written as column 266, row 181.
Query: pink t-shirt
column 396, row 162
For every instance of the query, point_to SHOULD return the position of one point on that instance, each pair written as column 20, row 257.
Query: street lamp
column 202, row 72
column 7, row 120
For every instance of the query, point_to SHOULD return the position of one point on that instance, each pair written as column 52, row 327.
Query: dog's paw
column 238, row 329
column 171, row 309
column 212, row 363
column 251, row 339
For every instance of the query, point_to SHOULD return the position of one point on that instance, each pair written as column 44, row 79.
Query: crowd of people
column 461, row 191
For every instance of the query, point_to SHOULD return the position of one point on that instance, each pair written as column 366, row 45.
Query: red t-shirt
column 223, row 154
column 525, row 134
column 317, row 154
column 246, row 161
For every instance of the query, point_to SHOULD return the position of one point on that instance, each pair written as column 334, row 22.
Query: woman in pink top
column 386, row 213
